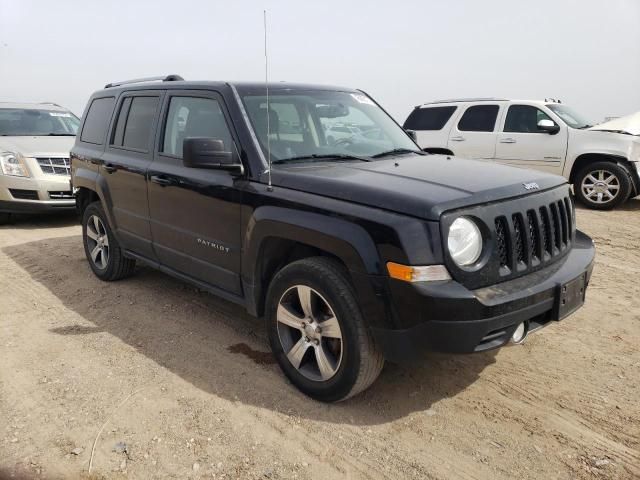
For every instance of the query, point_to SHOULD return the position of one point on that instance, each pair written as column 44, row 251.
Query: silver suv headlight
column 12, row 164
column 464, row 242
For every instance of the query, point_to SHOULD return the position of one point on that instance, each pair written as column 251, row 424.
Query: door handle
column 507, row 140
column 457, row 139
column 109, row 168
column 161, row 180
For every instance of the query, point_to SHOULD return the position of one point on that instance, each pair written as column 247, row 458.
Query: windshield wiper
column 585, row 127
column 58, row 135
column 329, row 156
column 397, row 151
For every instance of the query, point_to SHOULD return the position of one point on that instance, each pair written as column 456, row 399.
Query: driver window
column 524, row 119
column 191, row 117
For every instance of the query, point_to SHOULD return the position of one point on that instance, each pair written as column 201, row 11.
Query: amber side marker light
column 428, row 273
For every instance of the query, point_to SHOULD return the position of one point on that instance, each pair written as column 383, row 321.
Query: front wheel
column 4, row 218
column 602, row 185
column 317, row 332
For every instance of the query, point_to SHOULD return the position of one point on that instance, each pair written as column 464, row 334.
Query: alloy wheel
column 98, row 242
column 309, row 333
column 600, row 186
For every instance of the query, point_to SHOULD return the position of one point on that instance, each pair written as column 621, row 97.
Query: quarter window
column 192, row 117
column 524, row 119
column 479, row 118
column 97, row 121
column 430, row 118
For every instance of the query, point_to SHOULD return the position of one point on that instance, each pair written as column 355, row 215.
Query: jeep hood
column 416, row 185
column 30, row 146
column 629, row 124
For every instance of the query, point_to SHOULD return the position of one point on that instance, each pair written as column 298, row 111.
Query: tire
column 109, row 263
column 352, row 361
column 594, row 185
column 4, row 218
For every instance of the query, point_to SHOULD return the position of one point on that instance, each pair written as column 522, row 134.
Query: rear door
column 474, row 135
column 195, row 212
column 522, row 144
column 124, row 165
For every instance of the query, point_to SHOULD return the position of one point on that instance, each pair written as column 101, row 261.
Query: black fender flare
column 91, row 180
column 345, row 240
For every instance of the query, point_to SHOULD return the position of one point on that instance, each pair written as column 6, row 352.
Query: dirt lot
column 182, row 379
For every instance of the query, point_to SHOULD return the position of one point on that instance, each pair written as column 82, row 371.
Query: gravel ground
column 150, row 378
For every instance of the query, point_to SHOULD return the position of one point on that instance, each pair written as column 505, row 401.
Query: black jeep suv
column 355, row 246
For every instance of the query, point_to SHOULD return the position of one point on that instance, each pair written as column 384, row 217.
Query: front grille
column 61, row 195
column 23, row 194
column 548, row 226
column 54, row 165
column 522, row 235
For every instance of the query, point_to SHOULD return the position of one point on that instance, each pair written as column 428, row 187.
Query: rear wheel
column 101, row 247
column 317, row 332
column 602, row 185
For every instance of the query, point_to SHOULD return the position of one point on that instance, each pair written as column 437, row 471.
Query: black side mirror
column 412, row 134
column 198, row 152
column 548, row 126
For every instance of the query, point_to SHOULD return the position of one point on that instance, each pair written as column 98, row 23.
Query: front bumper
column 40, row 189
column 447, row 317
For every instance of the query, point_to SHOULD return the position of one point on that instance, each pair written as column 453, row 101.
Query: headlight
column 12, row 164
column 465, row 242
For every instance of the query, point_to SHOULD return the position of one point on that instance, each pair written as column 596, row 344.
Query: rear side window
column 135, row 123
column 432, row 118
column 95, row 125
column 479, row 118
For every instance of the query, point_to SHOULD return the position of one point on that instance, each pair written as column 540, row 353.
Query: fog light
column 520, row 333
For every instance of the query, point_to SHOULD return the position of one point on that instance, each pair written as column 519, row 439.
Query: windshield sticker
column 60, row 114
column 362, row 98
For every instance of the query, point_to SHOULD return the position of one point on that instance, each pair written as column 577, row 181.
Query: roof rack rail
column 166, row 78
column 480, row 99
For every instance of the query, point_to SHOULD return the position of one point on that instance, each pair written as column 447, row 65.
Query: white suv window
column 524, row 119
column 479, row 118
column 431, row 118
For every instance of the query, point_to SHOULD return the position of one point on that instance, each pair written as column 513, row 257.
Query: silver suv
column 35, row 140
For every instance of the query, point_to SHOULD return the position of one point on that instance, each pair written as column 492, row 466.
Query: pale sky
column 585, row 52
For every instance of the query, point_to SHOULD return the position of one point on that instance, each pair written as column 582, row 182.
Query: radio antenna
column 266, row 84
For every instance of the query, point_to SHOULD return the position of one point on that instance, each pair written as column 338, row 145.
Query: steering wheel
column 344, row 141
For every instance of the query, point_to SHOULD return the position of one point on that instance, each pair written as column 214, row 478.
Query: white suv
column 35, row 140
column 602, row 162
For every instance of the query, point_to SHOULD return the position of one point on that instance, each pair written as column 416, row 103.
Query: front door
column 474, row 136
column 522, row 144
column 195, row 212
column 124, row 165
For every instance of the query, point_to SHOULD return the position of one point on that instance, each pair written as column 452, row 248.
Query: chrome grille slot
column 501, row 242
column 519, row 241
column 61, row 195
column 54, row 165
column 534, row 233
column 563, row 222
column 556, row 225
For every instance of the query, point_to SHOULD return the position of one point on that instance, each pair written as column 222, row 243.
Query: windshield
column 18, row 122
column 569, row 116
column 320, row 124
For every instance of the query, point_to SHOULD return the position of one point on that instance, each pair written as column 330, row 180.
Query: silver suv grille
column 54, row 166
